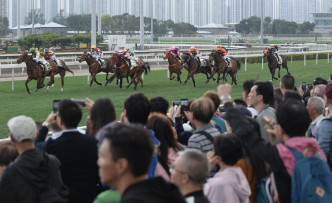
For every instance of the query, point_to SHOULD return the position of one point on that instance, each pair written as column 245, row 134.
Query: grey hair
column 317, row 91
column 317, row 103
column 196, row 165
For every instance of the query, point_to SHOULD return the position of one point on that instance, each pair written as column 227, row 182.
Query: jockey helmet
column 120, row 51
column 93, row 46
column 219, row 46
column 173, row 48
column 32, row 49
column 272, row 46
column 126, row 47
column 192, row 49
column 125, row 50
column 46, row 50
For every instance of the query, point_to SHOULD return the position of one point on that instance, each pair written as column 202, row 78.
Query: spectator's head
column 101, row 113
column 240, row 102
column 287, row 83
column 319, row 81
column 291, row 94
column 125, row 153
column 317, row 91
column 190, row 170
column 247, row 85
column 69, row 114
column 22, row 129
column 328, row 94
column 164, row 133
column 228, row 148
column 315, row 107
column 214, row 98
column 261, row 94
column 202, row 109
column 293, row 119
column 8, row 154
column 137, row 108
column 278, row 97
column 159, row 104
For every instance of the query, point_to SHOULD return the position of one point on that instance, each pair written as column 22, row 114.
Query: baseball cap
column 22, row 128
column 327, row 90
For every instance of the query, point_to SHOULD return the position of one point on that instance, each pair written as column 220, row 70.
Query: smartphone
column 184, row 105
column 268, row 122
column 176, row 103
column 81, row 102
column 56, row 103
column 304, row 86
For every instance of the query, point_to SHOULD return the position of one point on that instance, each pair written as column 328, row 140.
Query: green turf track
column 38, row 105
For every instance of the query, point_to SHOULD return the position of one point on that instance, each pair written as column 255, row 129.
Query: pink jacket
column 229, row 185
column 298, row 144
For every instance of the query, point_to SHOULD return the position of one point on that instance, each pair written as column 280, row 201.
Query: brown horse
column 136, row 72
column 95, row 68
column 121, row 69
column 273, row 63
column 36, row 72
column 192, row 66
column 174, row 65
column 220, row 66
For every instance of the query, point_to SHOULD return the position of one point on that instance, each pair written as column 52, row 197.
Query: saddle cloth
column 279, row 59
column 47, row 66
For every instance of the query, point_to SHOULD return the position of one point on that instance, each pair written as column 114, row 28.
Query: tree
column 64, row 41
column 60, row 18
column 38, row 17
column 306, row 27
column 79, row 22
column 267, row 21
column 184, row 28
column 284, row 27
column 107, row 23
column 4, row 26
column 249, row 25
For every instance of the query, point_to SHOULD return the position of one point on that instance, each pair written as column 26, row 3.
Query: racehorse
column 174, row 65
column 192, row 66
column 121, row 69
column 37, row 72
column 136, row 72
column 95, row 68
column 220, row 66
column 273, row 63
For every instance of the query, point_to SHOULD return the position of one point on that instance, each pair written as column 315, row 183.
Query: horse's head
column 24, row 57
column 266, row 52
column 168, row 54
column 185, row 57
column 114, row 60
column 83, row 57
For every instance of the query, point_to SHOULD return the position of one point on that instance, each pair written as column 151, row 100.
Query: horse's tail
column 146, row 67
column 238, row 63
column 67, row 68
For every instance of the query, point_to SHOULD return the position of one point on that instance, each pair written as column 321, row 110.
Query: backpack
column 311, row 179
column 262, row 188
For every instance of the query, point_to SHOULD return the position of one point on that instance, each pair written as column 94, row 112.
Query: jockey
column 274, row 50
column 175, row 52
column 195, row 54
column 123, row 55
column 96, row 54
column 38, row 57
column 223, row 52
column 49, row 54
column 129, row 57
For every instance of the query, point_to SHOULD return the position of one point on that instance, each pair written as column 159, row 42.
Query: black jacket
column 78, row 155
column 33, row 177
column 269, row 153
column 151, row 191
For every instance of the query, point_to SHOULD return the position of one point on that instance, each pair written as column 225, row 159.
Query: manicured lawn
column 38, row 105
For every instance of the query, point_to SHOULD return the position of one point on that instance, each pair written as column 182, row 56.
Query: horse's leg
column 170, row 74
column 140, row 79
column 26, row 84
column 132, row 80
column 121, row 77
column 272, row 70
column 192, row 77
column 284, row 65
column 62, row 81
column 185, row 82
column 279, row 71
column 98, row 83
column 110, row 80
column 91, row 81
column 50, row 82
column 218, row 79
column 106, row 76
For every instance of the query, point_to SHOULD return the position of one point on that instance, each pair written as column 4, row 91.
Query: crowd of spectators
column 209, row 149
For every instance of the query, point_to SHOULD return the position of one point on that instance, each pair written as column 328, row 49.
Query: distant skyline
column 196, row 12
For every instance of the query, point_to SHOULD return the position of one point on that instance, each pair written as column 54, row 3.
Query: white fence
column 9, row 61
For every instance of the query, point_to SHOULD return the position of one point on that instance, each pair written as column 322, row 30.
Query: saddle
column 102, row 63
column 279, row 59
column 228, row 62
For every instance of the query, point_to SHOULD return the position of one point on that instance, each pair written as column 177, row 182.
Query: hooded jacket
column 33, row 177
column 229, row 185
column 151, row 191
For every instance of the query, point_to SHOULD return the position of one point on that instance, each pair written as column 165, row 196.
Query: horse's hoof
column 61, row 89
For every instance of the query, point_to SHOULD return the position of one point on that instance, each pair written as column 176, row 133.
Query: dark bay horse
column 121, row 69
column 95, row 68
column 174, row 65
column 220, row 67
column 36, row 72
column 192, row 67
column 136, row 72
column 273, row 63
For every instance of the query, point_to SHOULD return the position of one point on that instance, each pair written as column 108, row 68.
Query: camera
column 183, row 103
column 176, row 103
column 80, row 102
column 221, row 108
column 310, row 86
column 304, row 86
column 56, row 102
column 56, row 105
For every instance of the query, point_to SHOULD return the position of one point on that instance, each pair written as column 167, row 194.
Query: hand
column 178, row 112
column 89, row 103
column 212, row 159
column 225, row 89
column 189, row 116
column 171, row 112
column 299, row 89
column 51, row 119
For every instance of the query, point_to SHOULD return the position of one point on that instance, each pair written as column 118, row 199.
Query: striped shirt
column 200, row 141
